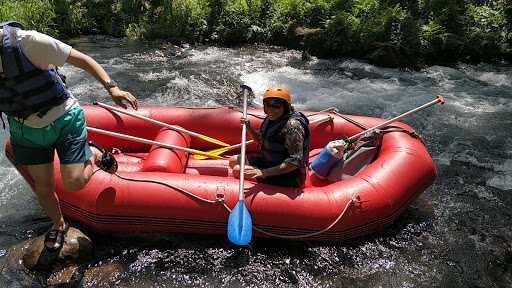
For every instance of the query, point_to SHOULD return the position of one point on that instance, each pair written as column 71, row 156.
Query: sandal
column 108, row 162
column 55, row 236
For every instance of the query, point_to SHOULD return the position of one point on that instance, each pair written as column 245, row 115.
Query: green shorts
column 67, row 135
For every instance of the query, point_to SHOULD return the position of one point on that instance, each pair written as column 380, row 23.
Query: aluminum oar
column 176, row 128
column 222, row 150
column 151, row 142
column 239, row 221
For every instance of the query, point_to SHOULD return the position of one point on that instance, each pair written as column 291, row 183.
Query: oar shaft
column 151, row 142
column 439, row 99
column 316, row 121
column 175, row 128
column 243, row 144
column 219, row 151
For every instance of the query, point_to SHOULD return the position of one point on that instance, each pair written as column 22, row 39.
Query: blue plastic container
column 323, row 163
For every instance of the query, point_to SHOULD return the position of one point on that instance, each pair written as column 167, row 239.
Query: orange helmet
column 278, row 92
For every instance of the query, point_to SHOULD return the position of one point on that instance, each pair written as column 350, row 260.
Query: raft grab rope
column 220, row 200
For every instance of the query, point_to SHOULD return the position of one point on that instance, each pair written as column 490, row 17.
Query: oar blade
column 240, row 225
column 214, row 141
column 206, row 154
column 215, row 152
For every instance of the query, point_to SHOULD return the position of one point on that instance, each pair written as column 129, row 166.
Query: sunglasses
column 273, row 104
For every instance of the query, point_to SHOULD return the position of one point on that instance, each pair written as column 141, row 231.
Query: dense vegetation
column 403, row 33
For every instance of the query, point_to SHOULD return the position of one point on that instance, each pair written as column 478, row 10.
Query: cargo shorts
column 67, row 135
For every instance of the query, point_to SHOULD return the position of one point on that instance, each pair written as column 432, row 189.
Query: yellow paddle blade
column 214, row 152
column 212, row 140
column 206, row 154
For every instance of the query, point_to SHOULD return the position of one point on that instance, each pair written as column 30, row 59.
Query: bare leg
column 76, row 176
column 44, row 188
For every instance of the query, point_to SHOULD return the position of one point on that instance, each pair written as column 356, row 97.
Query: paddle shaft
column 175, row 128
column 151, row 142
column 243, row 144
column 317, row 121
column 439, row 99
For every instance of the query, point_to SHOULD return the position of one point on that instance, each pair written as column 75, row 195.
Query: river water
column 457, row 234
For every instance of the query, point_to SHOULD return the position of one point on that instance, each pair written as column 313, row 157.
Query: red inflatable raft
column 164, row 190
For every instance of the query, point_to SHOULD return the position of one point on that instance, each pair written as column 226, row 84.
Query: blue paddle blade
column 240, row 225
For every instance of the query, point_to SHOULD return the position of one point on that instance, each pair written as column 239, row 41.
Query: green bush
column 438, row 31
column 73, row 18
column 432, row 37
column 183, row 18
column 239, row 22
column 35, row 14
column 340, row 34
column 486, row 32
column 368, row 22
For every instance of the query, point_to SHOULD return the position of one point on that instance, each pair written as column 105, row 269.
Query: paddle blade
column 213, row 140
column 215, row 152
column 240, row 225
column 206, row 154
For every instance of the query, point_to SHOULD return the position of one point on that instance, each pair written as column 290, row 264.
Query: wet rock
column 69, row 276
column 13, row 270
column 58, row 274
column 392, row 56
column 77, row 249
column 107, row 273
column 302, row 38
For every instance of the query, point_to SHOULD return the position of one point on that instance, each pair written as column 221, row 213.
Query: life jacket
column 272, row 146
column 24, row 88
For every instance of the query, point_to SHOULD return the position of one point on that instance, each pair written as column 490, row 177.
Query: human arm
column 85, row 62
column 255, row 134
column 282, row 168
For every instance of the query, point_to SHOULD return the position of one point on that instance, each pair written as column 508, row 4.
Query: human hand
column 245, row 120
column 339, row 146
column 254, row 173
column 119, row 96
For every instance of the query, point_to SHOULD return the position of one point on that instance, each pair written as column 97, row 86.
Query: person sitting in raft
column 283, row 141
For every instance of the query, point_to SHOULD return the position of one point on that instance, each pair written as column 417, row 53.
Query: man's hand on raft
column 120, row 96
column 249, row 172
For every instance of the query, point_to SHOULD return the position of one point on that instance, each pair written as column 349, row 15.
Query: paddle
column 151, row 142
column 439, row 99
column 175, row 128
column 222, row 150
column 239, row 221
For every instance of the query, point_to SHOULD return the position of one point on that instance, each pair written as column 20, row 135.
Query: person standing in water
column 44, row 117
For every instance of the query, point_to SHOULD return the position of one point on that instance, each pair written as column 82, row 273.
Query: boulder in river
column 77, row 248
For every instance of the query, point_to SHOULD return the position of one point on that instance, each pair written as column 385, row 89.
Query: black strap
column 2, row 117
column 413, row 133
column 20, row 78
column 17, row 54
column 47, row 86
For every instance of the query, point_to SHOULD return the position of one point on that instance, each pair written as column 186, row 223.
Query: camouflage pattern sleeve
column 294, row 142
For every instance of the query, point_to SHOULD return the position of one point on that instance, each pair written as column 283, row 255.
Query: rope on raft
column 220, row 200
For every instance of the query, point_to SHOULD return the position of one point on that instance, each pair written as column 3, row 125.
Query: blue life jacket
column 24, row 88
column 272, row 146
